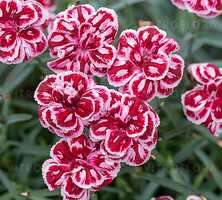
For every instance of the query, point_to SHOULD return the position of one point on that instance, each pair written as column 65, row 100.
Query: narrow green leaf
column 205, row 132
column 6, row 182
column 11, row 119
column 122, row 4
column 211, row 167
column 189, row 149
column 17, row 76
column 184, row 189
column 149, row 189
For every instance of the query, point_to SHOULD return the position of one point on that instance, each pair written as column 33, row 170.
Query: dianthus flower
column 69, row 100
column 81, row 40
column 146, row 65
column 78, row 167
column 21, row 39
column 203, row 104
column 202, row 8
column 128, row 131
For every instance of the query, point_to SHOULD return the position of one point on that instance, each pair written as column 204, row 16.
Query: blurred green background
column 187, row 160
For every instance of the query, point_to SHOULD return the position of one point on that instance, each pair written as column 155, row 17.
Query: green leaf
column 189, row 149
column 17, row 76
column 205, row 132
column 149, row 189
column 207, row 38
column 217, row 176
column 15, row 118
column 6, row 182
column 165, row 182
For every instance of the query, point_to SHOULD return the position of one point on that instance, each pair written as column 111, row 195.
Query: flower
column 81, row 40
column 68, row 101
column 203, row 103
column 146, row 65
column 21, row 39
column 128, row 131
column 78, row 168
column 202, row 8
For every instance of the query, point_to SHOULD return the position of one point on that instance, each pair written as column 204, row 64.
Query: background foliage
column 187, row 159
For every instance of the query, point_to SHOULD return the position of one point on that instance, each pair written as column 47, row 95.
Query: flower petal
column 142, row 88
column 43, row 93
column 128, row 43
column 103, row 57
column 8, row 9
column 88, row 177
column 195, row 99
column 71, row 190
column 199, row 116
column 117, row 142
column 105, row 21
column 120, row 73
column 175, row 73
column 150, row 36
column 85, row 108
column 53, row 174
column 61, row 153
column 79, row 14
column 98, row 130
column 217, row 110
column 204, row 72
column 157, row 66
column 163, row 91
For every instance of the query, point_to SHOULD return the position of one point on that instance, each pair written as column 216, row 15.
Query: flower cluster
column 21, row 38
column 101, row 128
column 203, row 104
column 202, row 8
column 146, row 65
column 122, row 128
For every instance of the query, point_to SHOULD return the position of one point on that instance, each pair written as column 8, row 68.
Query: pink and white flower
column 78, row 168
column 146, row 65
column 203, row 104
column 81, row 40
column 128, row 132
column 21, row 38
column 67, row 101
column 202, row 8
